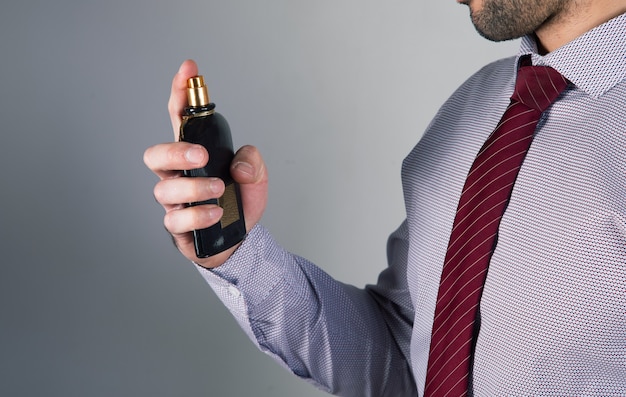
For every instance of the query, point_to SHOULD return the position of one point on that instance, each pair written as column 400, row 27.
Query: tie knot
column 538, row 86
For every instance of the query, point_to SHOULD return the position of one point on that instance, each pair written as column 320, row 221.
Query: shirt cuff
column 247, row 278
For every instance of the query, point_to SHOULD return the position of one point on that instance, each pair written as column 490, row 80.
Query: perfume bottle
column 201, row 124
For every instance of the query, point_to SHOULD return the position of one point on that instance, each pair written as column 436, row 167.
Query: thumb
column 248, row 169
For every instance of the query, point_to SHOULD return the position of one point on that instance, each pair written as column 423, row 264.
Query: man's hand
column 167, row 160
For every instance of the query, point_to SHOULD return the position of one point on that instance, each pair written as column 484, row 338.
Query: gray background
column 94, row 300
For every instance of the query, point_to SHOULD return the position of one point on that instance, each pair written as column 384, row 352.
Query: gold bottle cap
column 197, row 92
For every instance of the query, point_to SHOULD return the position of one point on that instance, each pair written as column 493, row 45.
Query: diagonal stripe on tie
column 484, row 199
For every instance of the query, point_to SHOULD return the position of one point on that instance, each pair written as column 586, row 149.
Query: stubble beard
column 500, row 20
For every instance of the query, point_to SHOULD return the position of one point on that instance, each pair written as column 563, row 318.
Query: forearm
column 329, row 333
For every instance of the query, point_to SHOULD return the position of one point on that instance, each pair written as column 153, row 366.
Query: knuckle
column 251, row 148
column 188, row 219
column 147, row 157
column 179, row 221
column 169, row 222
column 203, row 216
column 182, row 190
column 172, row 153
column 247, row 151
column 200, row 189
column 160, row 192
column 171, row 107
column 195, row 190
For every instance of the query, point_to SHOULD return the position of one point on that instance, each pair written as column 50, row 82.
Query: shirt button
column 233, row 291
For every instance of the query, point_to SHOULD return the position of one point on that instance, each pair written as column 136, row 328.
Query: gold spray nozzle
column 197, row 92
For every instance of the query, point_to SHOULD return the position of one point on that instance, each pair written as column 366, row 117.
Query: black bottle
column 203, row 125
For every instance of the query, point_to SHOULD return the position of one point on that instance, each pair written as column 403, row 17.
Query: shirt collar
column 594, row 62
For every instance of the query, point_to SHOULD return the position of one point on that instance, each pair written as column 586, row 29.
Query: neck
column 577, row 18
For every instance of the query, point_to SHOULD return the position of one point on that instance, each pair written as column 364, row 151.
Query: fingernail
column 215, row 185
column 244, row 167
column 195, row 155
column 216, row 212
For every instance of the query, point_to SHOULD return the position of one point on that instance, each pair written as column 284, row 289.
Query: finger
column 249, row 170
column 248, row 166
column 187, row 190
column 167, row 159
column 178, row 95
column 185, row 220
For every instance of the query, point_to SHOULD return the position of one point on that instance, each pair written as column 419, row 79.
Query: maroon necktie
column 484, row 199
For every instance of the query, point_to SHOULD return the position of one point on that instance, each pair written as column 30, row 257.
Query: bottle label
column 229, row 203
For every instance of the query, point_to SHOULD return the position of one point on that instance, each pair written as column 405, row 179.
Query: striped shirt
column 553, row 310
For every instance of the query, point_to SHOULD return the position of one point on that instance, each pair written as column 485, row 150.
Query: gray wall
column 94, row 300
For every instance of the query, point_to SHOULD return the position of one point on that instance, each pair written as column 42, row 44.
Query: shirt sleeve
column 345, row 340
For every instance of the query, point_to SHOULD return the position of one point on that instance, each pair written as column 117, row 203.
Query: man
column 552, row 315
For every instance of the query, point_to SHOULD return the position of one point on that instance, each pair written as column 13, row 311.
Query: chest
column 555, row 293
